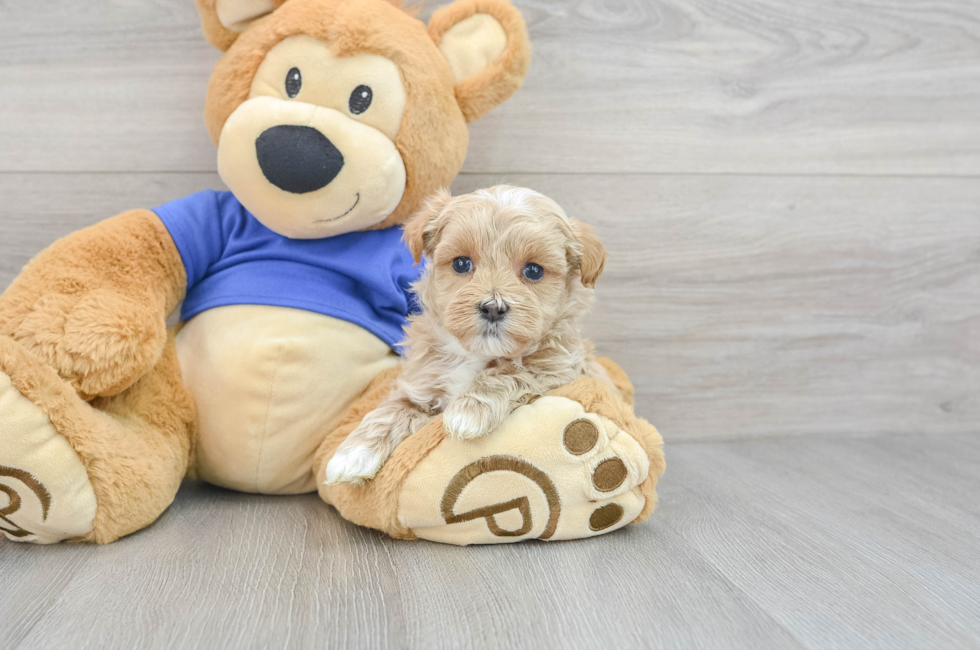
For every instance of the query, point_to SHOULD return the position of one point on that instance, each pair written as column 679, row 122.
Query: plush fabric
column 104, row 411
column 302, row 209
column 433, row 135
column 135, row 446
column 527, row 481
column 457, row 45
column 232, row 259
column 407, row 498
column 269, row 383
column 480, row 92
column 58, row 492
column 214, row 17
column 93, row 306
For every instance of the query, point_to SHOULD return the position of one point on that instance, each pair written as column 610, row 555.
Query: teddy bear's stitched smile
column 349, row 210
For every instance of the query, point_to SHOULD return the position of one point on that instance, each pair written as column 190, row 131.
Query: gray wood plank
column 866, row 543
column 740, row 306
column 673, row 86
column 742, row 303
column 807, row 542
column 225, row 570
column 754, row 306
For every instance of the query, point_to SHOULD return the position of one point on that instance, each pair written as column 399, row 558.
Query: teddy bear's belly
column 270, row 383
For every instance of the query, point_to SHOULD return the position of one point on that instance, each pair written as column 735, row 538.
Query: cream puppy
column 509, row 276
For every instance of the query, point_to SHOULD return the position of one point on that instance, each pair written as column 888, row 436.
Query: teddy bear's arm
column 94, row 304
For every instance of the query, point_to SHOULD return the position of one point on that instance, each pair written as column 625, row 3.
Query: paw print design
column 14, row 501
column 551, row 471
column 45, row 494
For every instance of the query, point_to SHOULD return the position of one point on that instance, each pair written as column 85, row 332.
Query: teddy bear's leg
column 575, row 463
column 74, row 470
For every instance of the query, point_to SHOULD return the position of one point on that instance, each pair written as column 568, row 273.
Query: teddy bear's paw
column 101, row 342
column 45, row 493
column 551, row 471
column 353, row 466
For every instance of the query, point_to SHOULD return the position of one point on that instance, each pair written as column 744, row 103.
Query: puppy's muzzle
column 493, row 311
column 297, row 159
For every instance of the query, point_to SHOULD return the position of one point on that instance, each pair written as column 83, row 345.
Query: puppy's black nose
column 492, row 311
column 297, row 159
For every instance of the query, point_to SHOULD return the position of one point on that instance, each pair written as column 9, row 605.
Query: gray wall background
column 790, row 192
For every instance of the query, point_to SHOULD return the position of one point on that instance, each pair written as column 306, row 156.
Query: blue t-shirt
column 232, row 259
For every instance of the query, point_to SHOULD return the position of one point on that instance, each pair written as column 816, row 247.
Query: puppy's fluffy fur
column 491, row 336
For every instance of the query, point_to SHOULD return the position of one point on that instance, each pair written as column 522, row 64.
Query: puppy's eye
column 533, row 272
column 294, row 81
column 462, row 265
column 360, row 99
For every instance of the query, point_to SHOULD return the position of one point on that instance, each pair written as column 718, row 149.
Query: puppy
column 509, row 276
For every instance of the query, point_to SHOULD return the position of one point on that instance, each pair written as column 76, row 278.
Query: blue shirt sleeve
column 195, row 224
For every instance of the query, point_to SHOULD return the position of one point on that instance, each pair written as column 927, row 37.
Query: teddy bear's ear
column 486, row 44
column 224, row 20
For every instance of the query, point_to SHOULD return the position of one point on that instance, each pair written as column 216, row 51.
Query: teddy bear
column 333, row 120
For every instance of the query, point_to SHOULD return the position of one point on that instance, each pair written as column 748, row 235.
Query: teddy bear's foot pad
column 45, row 493
column 552, row 471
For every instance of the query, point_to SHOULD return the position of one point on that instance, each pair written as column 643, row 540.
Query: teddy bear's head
column 332, row 116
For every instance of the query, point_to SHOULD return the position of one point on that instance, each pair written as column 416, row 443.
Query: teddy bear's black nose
column 297, row 159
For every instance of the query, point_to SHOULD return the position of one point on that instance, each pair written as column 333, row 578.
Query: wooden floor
column 790, row 192
column 820, row 542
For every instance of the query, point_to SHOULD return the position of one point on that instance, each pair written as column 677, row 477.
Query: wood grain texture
column 789, row 191
column 671, row 86
column 740, row 306
column 792, row 543
column 756, row 306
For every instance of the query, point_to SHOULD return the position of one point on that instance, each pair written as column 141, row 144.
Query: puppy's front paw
column 353, row 465
column 468, row 417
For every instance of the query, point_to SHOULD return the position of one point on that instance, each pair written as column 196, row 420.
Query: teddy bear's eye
column 294, row 81
column 360, row 99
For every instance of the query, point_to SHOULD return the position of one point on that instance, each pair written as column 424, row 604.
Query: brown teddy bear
column 333, row 120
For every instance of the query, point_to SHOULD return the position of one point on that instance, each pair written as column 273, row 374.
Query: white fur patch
column 353, row 465
column 461, row 377
column 508, row 196
column 461, row 427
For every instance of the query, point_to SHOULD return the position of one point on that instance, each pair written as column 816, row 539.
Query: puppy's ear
column 487, row 47
column 592, row 254
column 421, row 231
column 223, row 20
